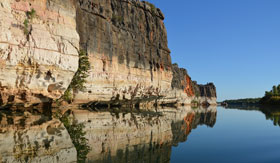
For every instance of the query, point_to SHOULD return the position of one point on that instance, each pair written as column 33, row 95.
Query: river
column 185, row 134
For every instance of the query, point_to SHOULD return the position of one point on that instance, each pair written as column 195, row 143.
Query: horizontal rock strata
column 38, row 55
column 125, row 40
column 127, row 46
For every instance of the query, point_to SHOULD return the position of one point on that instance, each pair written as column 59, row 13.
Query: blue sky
column 233, row 43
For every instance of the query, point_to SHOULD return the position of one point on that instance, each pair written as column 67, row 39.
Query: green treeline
column 246, row 101
column 272, row 97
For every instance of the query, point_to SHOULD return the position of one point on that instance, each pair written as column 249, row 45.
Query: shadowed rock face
column 182, row 81
column 208, row 90
column 127, row 45
column 182, row 85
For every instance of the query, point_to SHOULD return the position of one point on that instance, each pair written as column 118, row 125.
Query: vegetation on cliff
column 27, row 27
column 79, row 79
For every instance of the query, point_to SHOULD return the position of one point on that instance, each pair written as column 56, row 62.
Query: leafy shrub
column 79, row 79
column 30, row 16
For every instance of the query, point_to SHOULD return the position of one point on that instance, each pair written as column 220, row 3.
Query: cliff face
column 182, row 81
column 125, row 40
column 127, row 45
column 38, row 51
column 185, row 88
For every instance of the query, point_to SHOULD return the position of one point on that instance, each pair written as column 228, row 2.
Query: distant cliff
column 186, row 89
column 125, row 40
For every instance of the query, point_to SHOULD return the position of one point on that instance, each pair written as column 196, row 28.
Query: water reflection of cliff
column 33, row 137
column 121, row 135
column 140, row 136
column 181, row 129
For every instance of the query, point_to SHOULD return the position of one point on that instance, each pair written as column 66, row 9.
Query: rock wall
column 39, row 55
column 126, row 42
column 185, row 89
column 206, row 93
column 127, row 45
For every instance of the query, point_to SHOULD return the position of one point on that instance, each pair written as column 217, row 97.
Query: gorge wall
column 125, row 40
column 38, row 55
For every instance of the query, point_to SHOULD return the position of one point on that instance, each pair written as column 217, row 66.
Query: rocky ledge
column 125, row 41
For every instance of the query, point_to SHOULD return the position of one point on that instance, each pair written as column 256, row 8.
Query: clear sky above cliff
column 233, row 43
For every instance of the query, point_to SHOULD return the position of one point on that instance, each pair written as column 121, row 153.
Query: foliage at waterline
column 246, row 101
column 79, row 79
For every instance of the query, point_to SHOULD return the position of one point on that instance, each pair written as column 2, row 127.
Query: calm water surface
column 158, row 135
column 238, row 136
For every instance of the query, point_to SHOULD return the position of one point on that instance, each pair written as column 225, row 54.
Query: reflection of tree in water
column 272, row 113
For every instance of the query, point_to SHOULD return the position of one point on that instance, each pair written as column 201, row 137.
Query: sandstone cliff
column 185, row 89
column 127, row 45
column 125, row 40
column 38, row 57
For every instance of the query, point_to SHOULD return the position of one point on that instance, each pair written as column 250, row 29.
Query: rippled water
column 154, row 135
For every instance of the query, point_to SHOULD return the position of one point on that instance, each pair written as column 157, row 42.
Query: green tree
column 274, row 90
column 268, row 93
column 278, row 89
